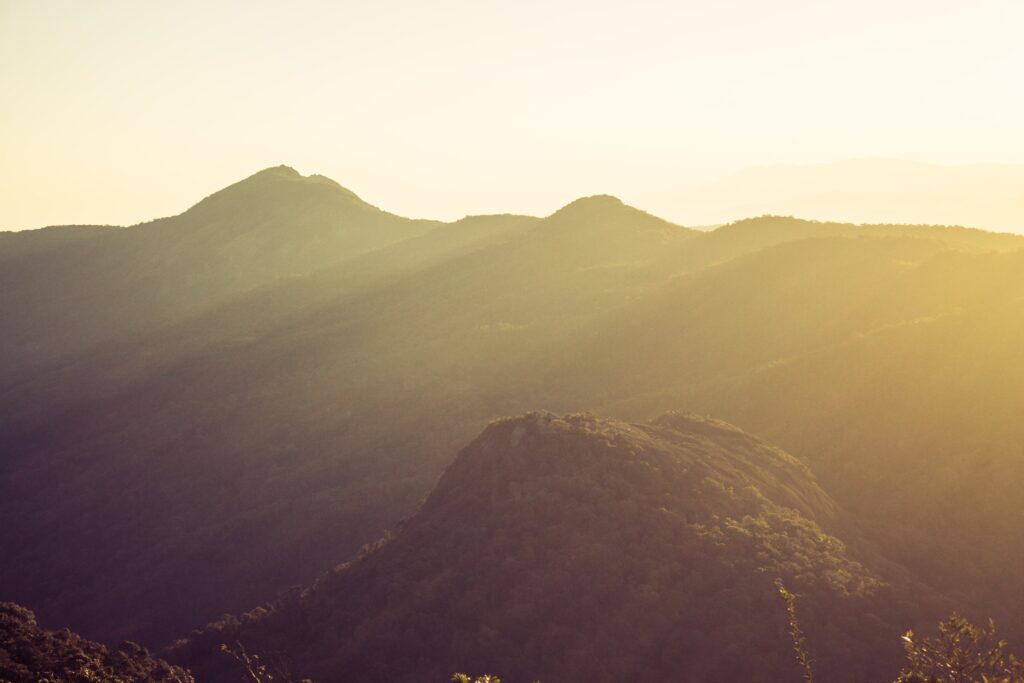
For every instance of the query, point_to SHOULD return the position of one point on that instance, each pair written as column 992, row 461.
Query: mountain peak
column 276, row 185
column 289, row 174
column 605, row 213
column 281, row 171
column 597, row 202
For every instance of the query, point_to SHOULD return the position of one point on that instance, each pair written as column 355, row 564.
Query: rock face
column 580, row 549
column 30, row 654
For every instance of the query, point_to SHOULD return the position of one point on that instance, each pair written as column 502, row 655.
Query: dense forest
column 205, row 413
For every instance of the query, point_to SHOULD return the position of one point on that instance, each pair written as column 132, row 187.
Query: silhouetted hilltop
column 272, row 225
column 579, row 549
column 29, row 654
column 604, row 216
column 598, row 203
column 270, row 185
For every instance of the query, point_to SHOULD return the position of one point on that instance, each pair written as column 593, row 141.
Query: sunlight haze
column 118, row 112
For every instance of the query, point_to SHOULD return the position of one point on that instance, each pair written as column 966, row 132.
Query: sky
column 118, row 111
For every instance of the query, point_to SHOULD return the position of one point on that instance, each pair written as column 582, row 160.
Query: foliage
column 796, row 633
column 30, row 654
column 962, row 653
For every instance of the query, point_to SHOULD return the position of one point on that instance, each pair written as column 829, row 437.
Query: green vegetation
column 962, row 653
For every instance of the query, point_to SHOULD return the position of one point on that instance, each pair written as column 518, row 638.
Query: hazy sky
column 118, row 111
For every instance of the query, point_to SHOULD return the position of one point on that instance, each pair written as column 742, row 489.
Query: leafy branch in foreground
column 962, row 653
column 256, row 669
column 796, row 633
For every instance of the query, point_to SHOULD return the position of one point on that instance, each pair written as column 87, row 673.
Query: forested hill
column 579, row 549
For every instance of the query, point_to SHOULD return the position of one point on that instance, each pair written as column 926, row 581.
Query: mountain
column 29, row 654
column 80, row 292
column 988, row 196
column 191, row 461
column 579, row 549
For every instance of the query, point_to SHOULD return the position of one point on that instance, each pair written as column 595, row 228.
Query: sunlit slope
column 274, row 224
column 790, row 297
column 742, row 313
column 895, row 367
column 916, row 427
column 579, row 549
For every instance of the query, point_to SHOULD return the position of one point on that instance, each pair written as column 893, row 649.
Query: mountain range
column 201, row 413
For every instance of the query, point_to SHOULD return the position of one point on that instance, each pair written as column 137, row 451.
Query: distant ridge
column 989, row 196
